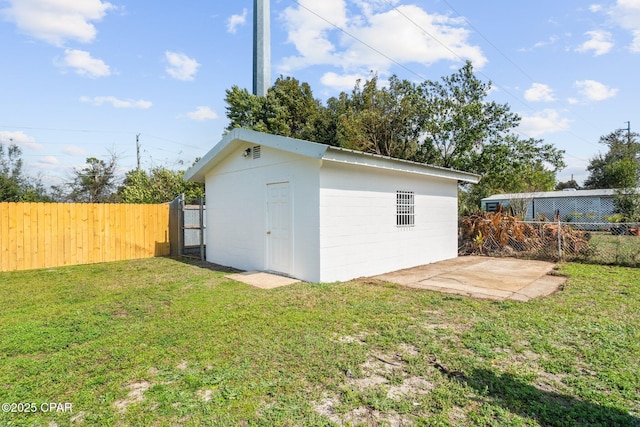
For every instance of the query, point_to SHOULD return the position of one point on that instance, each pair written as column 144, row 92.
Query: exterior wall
column 583, row 209
column 574, row 209
column 236, row 191
column 358, row 231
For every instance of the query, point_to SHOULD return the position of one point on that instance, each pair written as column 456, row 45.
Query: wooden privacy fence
column 43, row 235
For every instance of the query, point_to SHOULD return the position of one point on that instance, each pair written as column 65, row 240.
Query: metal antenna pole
column 261, row 47
column 138, row 149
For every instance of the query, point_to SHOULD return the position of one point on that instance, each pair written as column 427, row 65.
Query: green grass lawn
column 612, row 249
column 161, row 342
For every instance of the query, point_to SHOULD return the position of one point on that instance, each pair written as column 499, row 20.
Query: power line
column 500, row 52
column 427, row 33
column 361, row 41
column 421, row 28
column 65, row 130
column 490, row 43
column 98, row 131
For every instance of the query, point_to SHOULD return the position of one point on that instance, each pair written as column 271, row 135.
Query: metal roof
column 318, row 151
column 551, row 194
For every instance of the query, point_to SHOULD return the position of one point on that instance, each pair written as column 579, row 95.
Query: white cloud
column 310, row 34
column 319, row 42
column 202, row 113
column 539, row 92
column 600, row 42
column 369, row 7
column 635, row 44
column 344, row 82
column 49, row 160
column 626, row 13
column 236, row 21
column 20, row 139
column 595, row 8
column 83, row 64
column 74, row 150
column 550, row 41
column 117, row 103
column 595, row 91
column 546, row 121
column 181, row 67
column 543, row 43
column 56, row 21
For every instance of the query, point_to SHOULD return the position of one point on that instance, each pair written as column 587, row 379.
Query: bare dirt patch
column 353, row 339
column 407, row 350
column 205, row 395
column 361, row 416
column 410, row 386
column 549, row 382
column 326, row 408
column 368, row 382
column 78, row 418
column 136, row 394
column 382, row 372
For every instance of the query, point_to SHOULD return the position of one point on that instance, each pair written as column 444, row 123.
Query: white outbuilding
column 320, row 213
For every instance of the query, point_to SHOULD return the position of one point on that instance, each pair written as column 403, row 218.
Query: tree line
column 96, row 182
column 448, row 122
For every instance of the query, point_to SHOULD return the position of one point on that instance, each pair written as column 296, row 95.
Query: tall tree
column 460, row 121
column 245, row 110
column 515, row 165
column 619, row 167
column 15, row 186
column 383, row 120
column 10, row 173
column 571, row 184
column 160, row 185
column 94, row 183
column 288, row 109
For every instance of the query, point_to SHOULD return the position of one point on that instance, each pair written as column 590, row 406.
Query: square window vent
column 256, row 152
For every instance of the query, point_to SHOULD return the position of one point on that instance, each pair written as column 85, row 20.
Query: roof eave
column 197, row 173
column 343, row 155
column 228, row 144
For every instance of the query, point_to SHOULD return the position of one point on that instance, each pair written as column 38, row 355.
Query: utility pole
column 628, row 132
column 261, row 47
column 138, row 149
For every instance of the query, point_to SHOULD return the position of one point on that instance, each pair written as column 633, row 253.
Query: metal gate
column 188, row 225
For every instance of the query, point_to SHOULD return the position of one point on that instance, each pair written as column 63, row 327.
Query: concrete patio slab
column 262, row 280
column 482, row 277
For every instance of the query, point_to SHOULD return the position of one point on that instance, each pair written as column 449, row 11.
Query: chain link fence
column 591, row 242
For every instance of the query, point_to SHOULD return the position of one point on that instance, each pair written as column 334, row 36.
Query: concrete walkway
column 261, row 279
column 482, row 277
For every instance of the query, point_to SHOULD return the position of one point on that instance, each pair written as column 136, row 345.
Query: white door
column 279, row 228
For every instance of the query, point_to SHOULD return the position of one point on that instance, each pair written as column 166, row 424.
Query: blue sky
column 84, row 78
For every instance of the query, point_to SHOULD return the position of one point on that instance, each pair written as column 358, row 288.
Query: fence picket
column 4, row 239
column 19, row 235
column 40, row 233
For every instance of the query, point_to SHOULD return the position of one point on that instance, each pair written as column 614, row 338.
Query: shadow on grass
column 546, row 407
column 204, row 264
